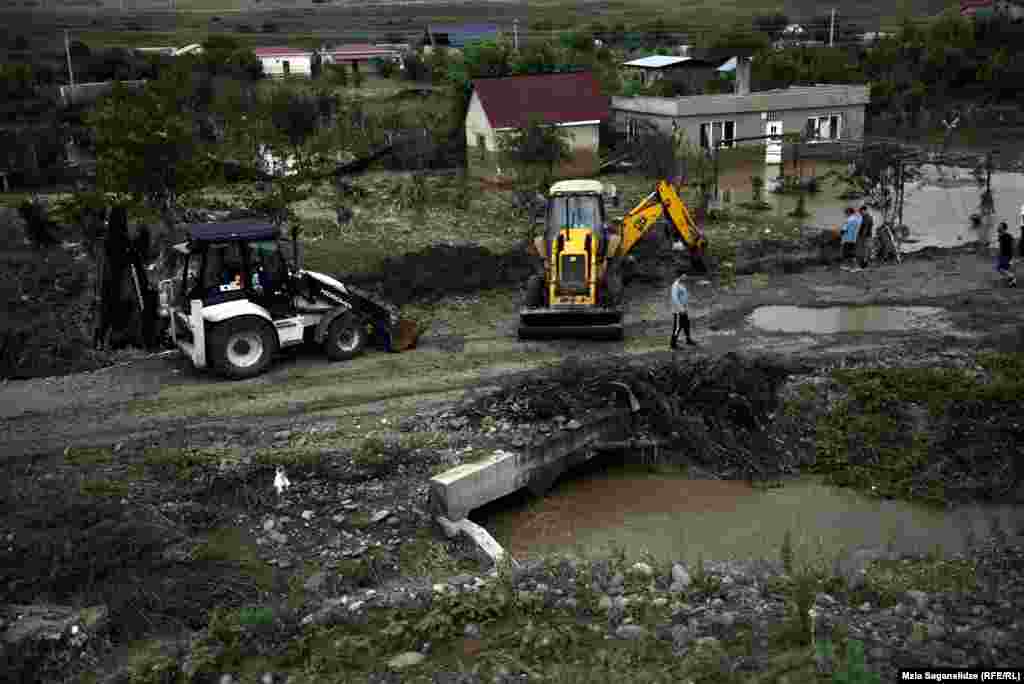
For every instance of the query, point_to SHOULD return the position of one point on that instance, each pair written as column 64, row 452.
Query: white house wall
column 477, row 124
column 298, row 65
column 585, row 137
column 792, row 107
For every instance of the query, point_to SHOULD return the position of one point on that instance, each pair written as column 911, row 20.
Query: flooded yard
column 937, row 208
column 674, row 517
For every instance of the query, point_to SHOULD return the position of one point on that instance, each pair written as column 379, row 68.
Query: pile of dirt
column 786, row 256
column 446, row 269
column 713, row 412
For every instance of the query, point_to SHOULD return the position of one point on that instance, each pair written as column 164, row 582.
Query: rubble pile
column 713, row 411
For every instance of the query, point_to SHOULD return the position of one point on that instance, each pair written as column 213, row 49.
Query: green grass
column 84, row 456
column 890, row 580
column 233, row 545
column 103, row 488
column 873, row 439
column 182, row 463
column 344, row 386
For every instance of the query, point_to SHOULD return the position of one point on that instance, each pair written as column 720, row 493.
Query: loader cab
column 224, row 263
column 577, row 205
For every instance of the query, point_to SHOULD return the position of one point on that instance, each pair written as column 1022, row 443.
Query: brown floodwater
column 937, row 208
column 673, row 517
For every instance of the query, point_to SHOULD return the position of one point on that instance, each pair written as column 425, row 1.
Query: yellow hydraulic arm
column 664, row 200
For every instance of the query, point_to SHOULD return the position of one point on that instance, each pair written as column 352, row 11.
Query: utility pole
column 67, row 52
column 832, row 28
column 515, row 34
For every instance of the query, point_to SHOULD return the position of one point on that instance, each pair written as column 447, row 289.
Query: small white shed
column 283, row 62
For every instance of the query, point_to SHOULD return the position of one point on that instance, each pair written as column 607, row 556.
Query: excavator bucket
column 406, row 336
column 589, row 323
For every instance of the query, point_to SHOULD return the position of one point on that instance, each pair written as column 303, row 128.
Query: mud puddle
column 846, row 319
column 676, row 518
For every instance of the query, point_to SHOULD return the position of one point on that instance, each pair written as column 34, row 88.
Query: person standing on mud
column 1005, row 257
column 849, row 237
column 679, row 298
column 864, row 236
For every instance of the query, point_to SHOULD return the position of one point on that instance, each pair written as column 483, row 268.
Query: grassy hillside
column 148, row 22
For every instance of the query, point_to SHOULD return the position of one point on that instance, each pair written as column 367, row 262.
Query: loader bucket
column 407, row 334
column 594, row 324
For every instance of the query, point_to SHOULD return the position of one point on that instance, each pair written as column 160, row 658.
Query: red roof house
column 572, row 101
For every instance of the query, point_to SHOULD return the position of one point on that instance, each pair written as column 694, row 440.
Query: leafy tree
column 771, row 24
column 16, row 81
column 227, row 55
column 740, row 37
column 534, row 151
column 536, row 58
column 148, row 153
column 875, row 176
column 385, row 67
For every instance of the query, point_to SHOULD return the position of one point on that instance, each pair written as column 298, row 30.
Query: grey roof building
column 824, row 113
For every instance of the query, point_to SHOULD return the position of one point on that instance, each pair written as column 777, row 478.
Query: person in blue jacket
column 679, row 298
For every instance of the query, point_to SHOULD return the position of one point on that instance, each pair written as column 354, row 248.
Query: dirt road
column 162, row 399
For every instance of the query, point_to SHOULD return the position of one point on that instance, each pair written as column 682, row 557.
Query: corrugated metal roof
column 282, row 51
column 554, row 98
column 361, row 51
column 656, row 61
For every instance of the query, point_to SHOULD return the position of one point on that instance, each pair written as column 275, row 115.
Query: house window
column 825, row 127
column 632, row 128
column 714, row 134
column 481, row 143
column 772, row 116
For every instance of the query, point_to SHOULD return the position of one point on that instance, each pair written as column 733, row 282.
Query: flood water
column 937, row 209
column 845, row 319
column 676, row 518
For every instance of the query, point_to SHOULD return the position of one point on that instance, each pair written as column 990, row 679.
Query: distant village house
column 284, row 62
column 1012, row 10
column 572, row 101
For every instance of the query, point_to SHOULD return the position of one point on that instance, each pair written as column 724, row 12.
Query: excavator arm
column 664, row 201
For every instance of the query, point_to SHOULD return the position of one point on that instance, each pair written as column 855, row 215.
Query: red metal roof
column 554, row 98
column 280, row 51
column 361, row 50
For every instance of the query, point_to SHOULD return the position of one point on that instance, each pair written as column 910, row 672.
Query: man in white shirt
column 679, row 299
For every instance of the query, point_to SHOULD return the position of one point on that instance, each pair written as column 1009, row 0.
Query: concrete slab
column 483, row 540
column 456, row 492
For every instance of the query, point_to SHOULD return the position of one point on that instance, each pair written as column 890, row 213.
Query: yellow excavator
column 580, row 291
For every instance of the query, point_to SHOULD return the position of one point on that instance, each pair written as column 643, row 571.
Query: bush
column 385, row 67
column 39, row 229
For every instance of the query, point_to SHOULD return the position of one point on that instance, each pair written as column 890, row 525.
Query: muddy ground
column 147, row 487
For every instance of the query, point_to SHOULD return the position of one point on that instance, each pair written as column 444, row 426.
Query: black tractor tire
column 346, row 338
column 534, row 296
column 614, row 286
column 241, row 348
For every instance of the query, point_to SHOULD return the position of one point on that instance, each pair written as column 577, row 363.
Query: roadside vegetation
column 937, row 435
